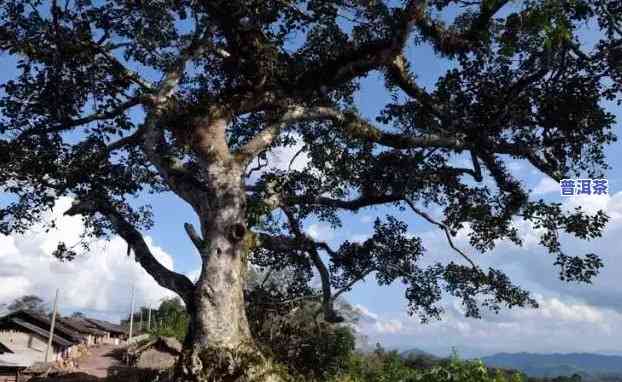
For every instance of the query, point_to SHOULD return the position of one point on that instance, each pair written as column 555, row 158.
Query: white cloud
column 389, row 326
column 366, row 219
column 610, row 204
column 289, row 157
column 320, row 231
column 554, row 308
column 516, row 166
column 546, row 186
column 283, row 158
column 194, row 275
column 365, row 313
column 99, row 281
column 571, row 317
column 552, row 328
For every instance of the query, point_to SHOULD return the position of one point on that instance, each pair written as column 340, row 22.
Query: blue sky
column 99, row 282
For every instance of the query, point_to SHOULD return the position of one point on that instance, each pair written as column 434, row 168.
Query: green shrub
column 382, row 366
column 307, row 345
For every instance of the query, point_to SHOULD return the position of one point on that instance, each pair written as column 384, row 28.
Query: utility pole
column 131, row 317
column 149, row 319
column 47, row 350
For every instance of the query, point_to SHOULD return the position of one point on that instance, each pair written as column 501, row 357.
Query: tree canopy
column 29, row 302
column 115, row 99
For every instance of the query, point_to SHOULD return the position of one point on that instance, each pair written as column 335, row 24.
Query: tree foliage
column 29, row 302
column 170, row 319
column 115, row 99
column 289, row 326
column 381, row 365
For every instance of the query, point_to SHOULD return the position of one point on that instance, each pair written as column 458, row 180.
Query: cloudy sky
column 571, row 317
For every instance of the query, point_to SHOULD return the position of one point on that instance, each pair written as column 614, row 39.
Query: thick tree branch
column 134, row 139
column 523, row 151
column 451, row 42
column 171, row 169
column 194, row 236
column 264, row 138
column 154, row 142
column 97, row 116
column 162, row 275
column 353, row 204
column 397, row 68
column 127, row 73
column 368, row 56
column 356, row 127
column 352, row 282
column 274, row 199
column 280, row 243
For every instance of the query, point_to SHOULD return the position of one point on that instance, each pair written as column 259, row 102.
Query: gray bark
column 219, row 299
column 219, row 346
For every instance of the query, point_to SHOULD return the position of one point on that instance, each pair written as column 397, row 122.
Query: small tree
column 170, row 319
column 287, row 324
column 220, row 83
column 29, row 302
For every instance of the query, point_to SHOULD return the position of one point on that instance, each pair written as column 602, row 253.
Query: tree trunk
column 219, row 345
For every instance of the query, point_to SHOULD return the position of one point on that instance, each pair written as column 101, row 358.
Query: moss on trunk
column 221, row 364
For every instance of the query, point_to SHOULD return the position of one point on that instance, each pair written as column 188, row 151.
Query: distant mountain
column 589, row 365
column 609, row 352
column 414, row 352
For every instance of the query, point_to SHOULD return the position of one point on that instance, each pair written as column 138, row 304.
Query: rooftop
column 106, row 326
column 21, row 360
column 14, row 321
column 4, row 349
column 45, row 322
column 81, row 325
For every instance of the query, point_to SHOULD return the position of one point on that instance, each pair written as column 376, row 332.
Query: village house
column 27, row 334
column 44, row 322
column 11, row 366
column 23, row 342
column 115, row 334
column 24, row 339
column 4, row 349
column 92, row 334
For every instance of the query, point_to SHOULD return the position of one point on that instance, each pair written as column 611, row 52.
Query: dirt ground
column 101, row 360
column 103, row 364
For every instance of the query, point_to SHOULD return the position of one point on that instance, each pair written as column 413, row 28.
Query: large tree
column 114, row 99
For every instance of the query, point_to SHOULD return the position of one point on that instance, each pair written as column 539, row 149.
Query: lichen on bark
column 244, row 363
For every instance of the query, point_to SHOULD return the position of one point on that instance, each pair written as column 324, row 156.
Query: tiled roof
column 4, row 349
column 107, row 326
column 81, row 326
column 19, row 361
column 45, row 323
column 40, row 331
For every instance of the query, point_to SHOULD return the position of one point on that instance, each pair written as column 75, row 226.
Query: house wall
column 112, row 339
column 23, row 342
column 8, row 375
